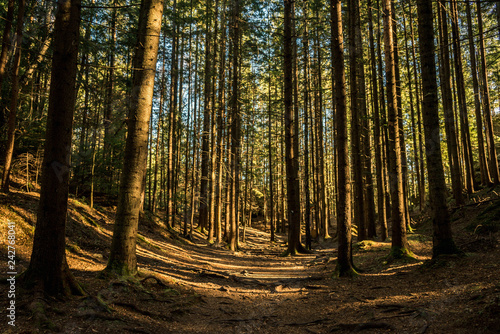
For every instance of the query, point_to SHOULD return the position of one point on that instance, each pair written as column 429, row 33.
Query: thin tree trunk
column 493, row 158
column 14, row 96
column 382, row 215
column 235, row 129
column 462, row 103
column 449, row 122
column 483, row 164
column 399, row 241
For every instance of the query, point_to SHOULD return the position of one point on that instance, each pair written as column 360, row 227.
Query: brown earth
column 192, row 287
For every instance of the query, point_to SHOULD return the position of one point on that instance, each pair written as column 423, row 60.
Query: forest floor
column 192, row 287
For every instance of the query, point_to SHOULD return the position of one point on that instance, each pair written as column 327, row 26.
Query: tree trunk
column 449, row 118
column 355, row 57
column 235, row 129
column 483, row 164
column 493, row 158
column 399, row 241
column 122, row 260
column 9, row 152
column 442, row 238
column 344, row 264
column 291, row 137
column 48, row 269
column 382, row 215
column 207, row 112
column 462, row 103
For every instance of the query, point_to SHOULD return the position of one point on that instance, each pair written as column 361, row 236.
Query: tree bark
column 399, row 241
column 382, row 215
column 344, row 264
column 493, row 158
column 235, row 129
column 14, row 96
column 48, row 269
column 442, row 238
column 449, row 118
column 462, row 103
column 291, row 137
column 483, row 164
column 122, row 260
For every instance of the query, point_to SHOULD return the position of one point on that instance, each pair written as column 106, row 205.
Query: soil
column 189, row 286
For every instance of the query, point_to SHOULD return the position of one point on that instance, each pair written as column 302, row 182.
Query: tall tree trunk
column 172, row 116
column 344, row 264
column 382, row 215
column 307, row 89
column 207, row 113
column 412, row 115
column 221, row 114
column 493, row 158
column 419, row 114
column 399, row 241
column 108, row 110
column 122, row 259
column 291, row 137
column 48, row 269
column 14, row 96
column 235, row 128
column 483, row 164
column 355, row 57
column 449, row 118
column 442, row 237
column 462, row 103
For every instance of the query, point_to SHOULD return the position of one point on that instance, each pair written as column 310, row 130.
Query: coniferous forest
column 249, row 166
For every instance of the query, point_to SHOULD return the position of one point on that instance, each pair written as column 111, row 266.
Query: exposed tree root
column 38, row 309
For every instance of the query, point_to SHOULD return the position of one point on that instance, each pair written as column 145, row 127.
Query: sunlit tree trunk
column 122, row 259
column 490, row 133
column 399, row 241
column 483, row 164
column 344, row 263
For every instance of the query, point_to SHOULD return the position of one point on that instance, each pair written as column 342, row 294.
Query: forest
column 250, row 166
